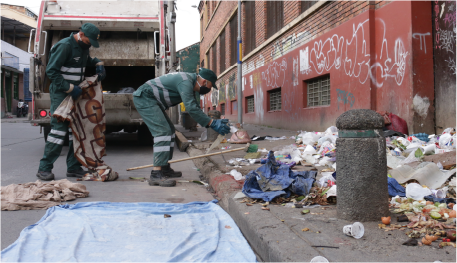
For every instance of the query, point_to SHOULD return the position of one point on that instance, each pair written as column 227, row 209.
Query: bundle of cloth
column 87, row 122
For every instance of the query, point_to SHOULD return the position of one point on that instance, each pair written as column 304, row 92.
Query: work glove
column 220, row 126
column 76, row 92
column 100, row 70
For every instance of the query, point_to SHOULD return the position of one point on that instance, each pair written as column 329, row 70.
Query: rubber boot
column 45, row 175
column 168, row 172
column 77, row 173
column 158, row 178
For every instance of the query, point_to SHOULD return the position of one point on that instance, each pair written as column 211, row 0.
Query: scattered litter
column 228, row 227
column 137, row 178
column 166, row 215
column 305, row 229
column 237, row 175
column 416, row 191
column 266, row 208
column 410, row 242
column 319, row 259
column 306, row 211
column 355, row 230
column 226, row 147
column 239, row 195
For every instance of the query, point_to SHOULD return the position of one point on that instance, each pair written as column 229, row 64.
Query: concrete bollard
column 361, row 166
column 212, row 134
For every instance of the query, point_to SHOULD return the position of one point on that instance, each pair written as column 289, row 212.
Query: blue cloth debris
column 272, row 180
column 395, row 188
column 104, row 231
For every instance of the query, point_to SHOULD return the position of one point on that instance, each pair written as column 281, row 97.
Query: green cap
column 208, row 75
column 92, row 32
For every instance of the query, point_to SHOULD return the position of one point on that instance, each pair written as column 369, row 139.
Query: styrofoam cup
column 319, row 259
column 355, row 230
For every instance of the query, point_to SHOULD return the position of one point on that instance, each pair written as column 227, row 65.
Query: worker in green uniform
column 67, row 62
column 155, row 96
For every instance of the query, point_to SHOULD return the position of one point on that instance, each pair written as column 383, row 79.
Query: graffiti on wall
column 258, row 103
column 253, row 64
column 232, row 87
column 351, row 54
column 221, row 87
column 214, row 97
column 275, row 74
column 422, row 39
column 281, row 47
column 345, row 97
column 451, row 65
column 295, row 72
column 447, row 39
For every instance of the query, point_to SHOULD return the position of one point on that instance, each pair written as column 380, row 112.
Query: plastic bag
column 416, row 191
column 446, row 141
column 204, row 136
column 332, row 130
column 410, row 159
column 309, row 150
column 237, row 175
column 323, row 181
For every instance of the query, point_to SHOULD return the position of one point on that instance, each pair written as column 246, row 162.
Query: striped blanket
column 87, row 121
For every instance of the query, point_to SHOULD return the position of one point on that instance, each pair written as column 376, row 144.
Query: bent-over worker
column 155, row 96
column 67, row 63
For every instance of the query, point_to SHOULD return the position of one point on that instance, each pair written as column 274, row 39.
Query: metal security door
column 444, row 51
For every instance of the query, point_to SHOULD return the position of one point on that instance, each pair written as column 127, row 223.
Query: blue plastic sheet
column 395, row 188
column 272, row 180
column 104, row 231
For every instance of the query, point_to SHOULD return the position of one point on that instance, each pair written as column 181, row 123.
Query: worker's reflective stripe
column 61, row 133
column 70, row 137
column 55, row 140
column 172, row 144
column 165, row 91
column 162, row 139
column 71, row 77
column 72, row 70
column 162, row 149
column 155, row 90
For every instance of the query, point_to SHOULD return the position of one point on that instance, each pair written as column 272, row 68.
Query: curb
column 225, row 187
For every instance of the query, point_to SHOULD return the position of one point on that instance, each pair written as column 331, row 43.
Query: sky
column 187, row 19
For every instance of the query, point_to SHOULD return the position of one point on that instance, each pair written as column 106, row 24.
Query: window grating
column 222, row 53
column 275, row 17
column 214, row 107
column 249, row 18
column 319, row 92
column 233, row 39
column 214, row 58
column 305, row 5
column 250, row 102
column 275, row 100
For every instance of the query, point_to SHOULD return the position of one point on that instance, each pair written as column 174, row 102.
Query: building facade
column 307, row 62
column 16, row 23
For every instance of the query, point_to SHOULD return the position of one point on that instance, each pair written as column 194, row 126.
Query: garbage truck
column 135, row 46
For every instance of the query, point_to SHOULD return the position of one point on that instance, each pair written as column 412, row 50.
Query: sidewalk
column 15, row 119
column 277, row 235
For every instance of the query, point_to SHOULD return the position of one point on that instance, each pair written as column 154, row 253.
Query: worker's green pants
column 56, row 139
column 160, row 126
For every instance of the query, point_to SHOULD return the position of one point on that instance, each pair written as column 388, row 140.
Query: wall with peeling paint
column 372, row 58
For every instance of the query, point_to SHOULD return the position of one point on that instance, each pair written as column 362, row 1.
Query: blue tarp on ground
column 104, row 231
column 272, row 180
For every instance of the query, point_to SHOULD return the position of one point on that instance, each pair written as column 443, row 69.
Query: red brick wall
column 335, row 24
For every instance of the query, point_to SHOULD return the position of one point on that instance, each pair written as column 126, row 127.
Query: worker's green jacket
column 66, row 66
column 171, row 89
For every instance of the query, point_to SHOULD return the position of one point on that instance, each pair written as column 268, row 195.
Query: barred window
column 249, row 25
column 275, row 17
column 233, row 39
column 222, row 52
column 275, row 100
column 214, row 107
column 305, row 5
column 223, row 109
column 250, row 104
column 214, row 58
column 318, row 91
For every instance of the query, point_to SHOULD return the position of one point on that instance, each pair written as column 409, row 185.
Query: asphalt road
column 22, row 147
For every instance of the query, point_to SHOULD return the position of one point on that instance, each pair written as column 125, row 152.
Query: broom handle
column 189, row 158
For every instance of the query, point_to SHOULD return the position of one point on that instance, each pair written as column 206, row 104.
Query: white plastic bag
column 416, row 191
column 204, row 136
column 446, row 141
column 331, row 130
column 237, row 175
column 309, row 150
column 411, row 158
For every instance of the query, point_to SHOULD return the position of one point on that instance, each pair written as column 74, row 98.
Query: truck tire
column 145, row 136
column 47, row 130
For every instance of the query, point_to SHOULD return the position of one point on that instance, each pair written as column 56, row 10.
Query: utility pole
column 238, row 81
